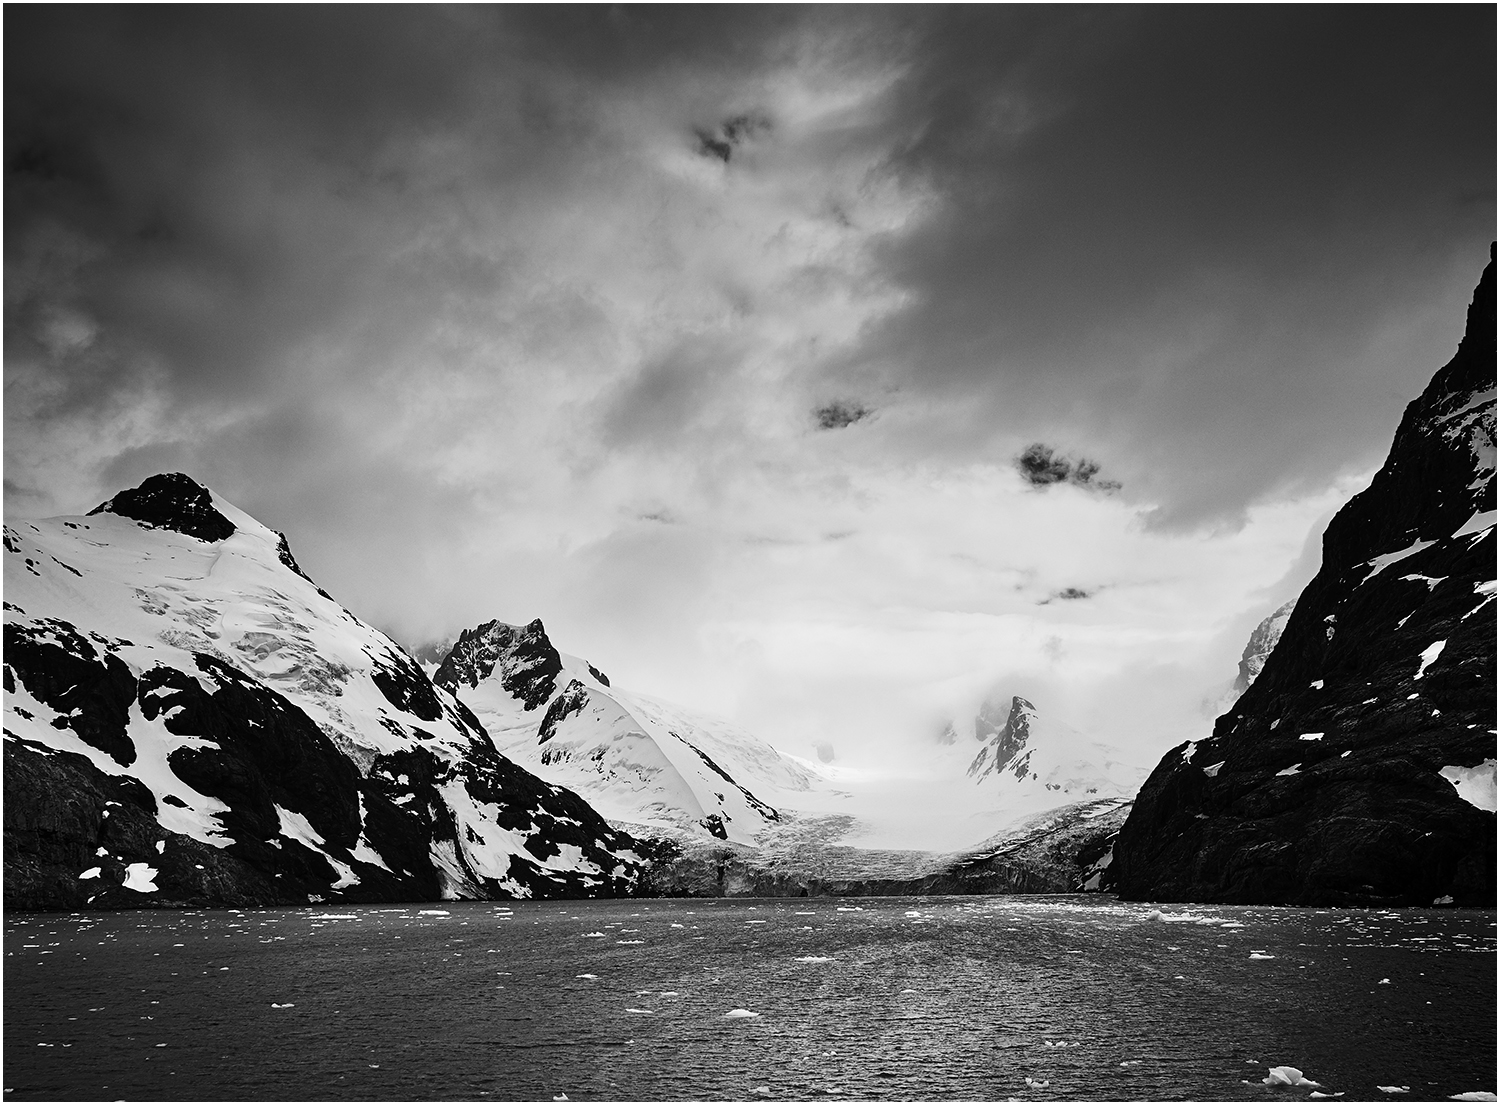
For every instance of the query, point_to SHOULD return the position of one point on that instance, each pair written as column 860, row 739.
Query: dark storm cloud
column 1042, row 466
column 1174, row 233
column 1184, row 227
column 840, row 414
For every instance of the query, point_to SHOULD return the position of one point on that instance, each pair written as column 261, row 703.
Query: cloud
column 1041, row 466
column 537, row 302
column 840, row 413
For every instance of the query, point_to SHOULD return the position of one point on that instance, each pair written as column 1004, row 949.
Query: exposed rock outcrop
column 1331, row 780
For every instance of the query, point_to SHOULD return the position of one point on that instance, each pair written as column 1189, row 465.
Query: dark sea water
column 886, row 998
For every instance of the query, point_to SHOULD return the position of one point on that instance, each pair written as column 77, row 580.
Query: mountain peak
column 525, row 656
column 172, row 501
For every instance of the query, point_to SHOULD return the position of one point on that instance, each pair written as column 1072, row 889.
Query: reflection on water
column 927, row 998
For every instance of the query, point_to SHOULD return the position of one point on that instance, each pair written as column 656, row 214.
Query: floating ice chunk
column 629, row 941
column 560, row 1097
column 585, row 976
column 1154, row 915
column 91, row 873
column 1473, row 1095
column 334, row 917
column 1394, row 1089
column 1383, row 982
column 1295, row 769
column 1316, row 684
column 1475, row 785
column 1428, row 655
column 763, row 1091
column 630, row 1010
column 1037, row 1083
column 1132, row 1062
column 813, row 959
column 739, row 1014
column 1446, row 899
column 1310, row 737
column 1318, row 1093
column 593, row 934
column 288, row 1005
column 1288, row 1076
column 1261, row 955
column 141, row 878
column 432, row 913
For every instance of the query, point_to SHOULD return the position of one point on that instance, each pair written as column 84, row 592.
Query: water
column 927, row 998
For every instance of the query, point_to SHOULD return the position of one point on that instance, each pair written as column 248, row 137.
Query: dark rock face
column 527, row 661
column 572, row 701
column 172, row 501
column 1323, row 784
column 1005, row 731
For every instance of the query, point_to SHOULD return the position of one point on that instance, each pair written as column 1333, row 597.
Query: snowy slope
column 636, row 759
column 128, row 628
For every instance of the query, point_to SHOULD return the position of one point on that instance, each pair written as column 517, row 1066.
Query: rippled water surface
column 935, row 998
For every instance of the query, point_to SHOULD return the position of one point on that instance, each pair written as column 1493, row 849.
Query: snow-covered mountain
column 189, row 717
column 1030, row 762
column 637, row 760
column 1261, row 644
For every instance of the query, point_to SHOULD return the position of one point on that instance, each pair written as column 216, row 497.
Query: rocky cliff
column 1359, row 766
column 189, row 719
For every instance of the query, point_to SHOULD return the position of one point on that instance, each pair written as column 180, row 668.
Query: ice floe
column 1394, row 1089
column 288, row 1005
column 739, row 1014
column 1288, row 1076
column 813, row 959
column 585, row 976
column 1037, row 1083
column 1261, row 955
column 1472, row 1095
column 432, row 913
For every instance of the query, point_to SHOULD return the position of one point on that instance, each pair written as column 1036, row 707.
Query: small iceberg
column 1132, row 1062
column 1154, row 915
column 1472, row 1095
column 593, row 934
column 1261, row 955
column 1319, row 1093
column 288, row 1005
column 647, row 1011
column 432, row 913
column 1288, row 1076
column 739, row 1015
column 1394, row 1089
column 1037, row 1083
column 585, row 976
column 813, row 959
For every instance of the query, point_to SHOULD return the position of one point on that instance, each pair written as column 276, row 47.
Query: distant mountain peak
column 172, row 501
column 1005, row 728
column 1261, row 644
column 524, row 655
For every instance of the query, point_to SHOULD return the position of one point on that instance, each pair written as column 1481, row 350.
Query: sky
column 716, row 336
